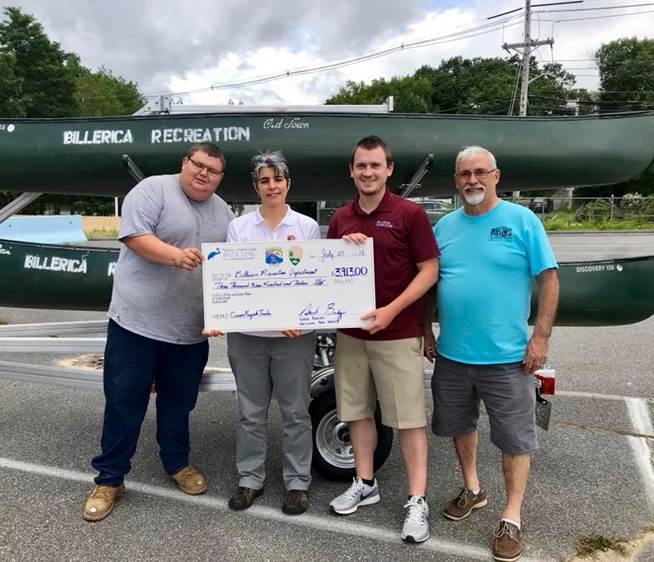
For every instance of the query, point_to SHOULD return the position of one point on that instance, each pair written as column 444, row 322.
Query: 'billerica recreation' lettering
column 54, row 263
column 117, row 136
column 158, row 136
column 215, row 134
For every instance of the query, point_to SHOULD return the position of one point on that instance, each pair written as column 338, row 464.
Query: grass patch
column 102, row 233
column 569, row 221
column 589, row 545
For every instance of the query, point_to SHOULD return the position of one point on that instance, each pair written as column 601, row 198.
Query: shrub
column 599, row 209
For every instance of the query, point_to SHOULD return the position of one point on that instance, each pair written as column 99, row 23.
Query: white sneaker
column 356, row 495
column 416, row 523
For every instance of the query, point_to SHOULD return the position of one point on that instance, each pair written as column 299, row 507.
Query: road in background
column 567, row 246
column 595, row 245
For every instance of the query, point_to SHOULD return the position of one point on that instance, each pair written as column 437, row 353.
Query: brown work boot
column 190, row 481
column 101, row 501
column 296, row 502
column 507, row 545
column 243, row 498
column 462, row 506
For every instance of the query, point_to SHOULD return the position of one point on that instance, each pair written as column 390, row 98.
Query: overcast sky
column 169, row 46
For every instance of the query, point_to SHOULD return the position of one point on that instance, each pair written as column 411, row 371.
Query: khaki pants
column 390, row 371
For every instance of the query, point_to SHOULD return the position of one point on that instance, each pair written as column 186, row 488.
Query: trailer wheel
column 332, row 450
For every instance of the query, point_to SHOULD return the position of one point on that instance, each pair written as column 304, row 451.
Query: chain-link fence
column 557, row 212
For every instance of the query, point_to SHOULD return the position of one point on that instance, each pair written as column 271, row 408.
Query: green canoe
column 86, row 155
column 596, row 293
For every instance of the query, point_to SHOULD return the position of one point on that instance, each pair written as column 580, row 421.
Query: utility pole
column 528, row 45
column 526, row 59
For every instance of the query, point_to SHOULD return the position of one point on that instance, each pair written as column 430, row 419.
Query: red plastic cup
column 547, row 378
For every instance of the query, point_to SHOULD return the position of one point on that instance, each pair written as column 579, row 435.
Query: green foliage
column 38, row 73
column 471, row 85
column 75, row 204
column 626, row 74
column 458, row 85
column 412, row 95
column 101, row 93
column 10, row 102
column 568, row 221
column 600, row 209
column 635, row 205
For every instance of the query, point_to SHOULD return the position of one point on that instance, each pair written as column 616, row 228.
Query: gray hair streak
column 274, row 159
column 468, row 151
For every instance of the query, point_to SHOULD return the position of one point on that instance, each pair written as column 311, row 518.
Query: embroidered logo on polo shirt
column 384, row 224
column 295, row 254
column 274, row 255
column 501, row 233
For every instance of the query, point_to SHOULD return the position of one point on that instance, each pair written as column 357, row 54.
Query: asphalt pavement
column 592, row 474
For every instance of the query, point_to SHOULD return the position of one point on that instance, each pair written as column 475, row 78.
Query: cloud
column 170, row 46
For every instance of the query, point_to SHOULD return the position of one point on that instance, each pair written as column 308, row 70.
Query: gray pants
column 261, row 366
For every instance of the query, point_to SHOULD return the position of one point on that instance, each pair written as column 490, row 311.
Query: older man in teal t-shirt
column 491, row 250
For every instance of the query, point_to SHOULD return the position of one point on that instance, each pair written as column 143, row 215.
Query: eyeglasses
column 203, row 167
column 479, row 174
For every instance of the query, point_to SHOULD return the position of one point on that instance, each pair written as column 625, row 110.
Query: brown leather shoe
column 507, row 543
column 462, row 506
column 101, row 501
column 243, row 498
column 190, row 481
column 296, row 502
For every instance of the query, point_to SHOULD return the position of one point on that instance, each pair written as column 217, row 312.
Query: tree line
column 490, row 86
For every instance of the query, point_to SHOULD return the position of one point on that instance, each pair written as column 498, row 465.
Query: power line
column 600, row 17
column 643, row 75
column 595, row 9
column 570, row 90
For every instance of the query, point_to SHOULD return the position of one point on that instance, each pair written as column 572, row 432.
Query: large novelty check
column 251, row 286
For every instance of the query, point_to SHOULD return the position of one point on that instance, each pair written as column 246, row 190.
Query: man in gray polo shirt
column 156, row 321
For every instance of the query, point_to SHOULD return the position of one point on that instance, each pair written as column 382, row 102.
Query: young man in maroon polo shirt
column 383, row 361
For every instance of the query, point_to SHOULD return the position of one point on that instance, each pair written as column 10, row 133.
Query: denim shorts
column 508, row 393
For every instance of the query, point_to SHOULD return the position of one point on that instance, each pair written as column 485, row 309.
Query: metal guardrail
column 214, row 380
column 52, row 345
column 53, row 328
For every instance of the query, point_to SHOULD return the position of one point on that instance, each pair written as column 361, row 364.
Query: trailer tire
column 332, row 450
